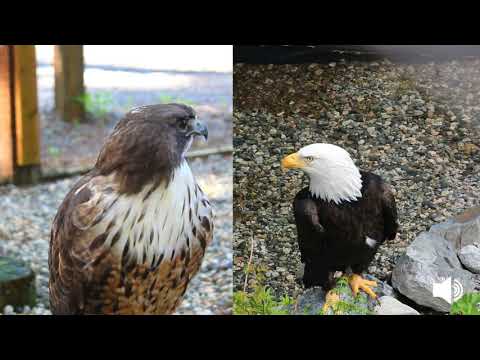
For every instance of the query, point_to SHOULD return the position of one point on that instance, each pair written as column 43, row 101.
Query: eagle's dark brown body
column 128, row 239
column 333, row 237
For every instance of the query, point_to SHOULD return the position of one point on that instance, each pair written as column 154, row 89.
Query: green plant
column 468, row 304
column 256, row 273
column 357, row 306
column 53, row 151
column 260, row 302
column 99, row 104
column 129, row 103
column 345, row 307
column 166, row 99
column 186, row 101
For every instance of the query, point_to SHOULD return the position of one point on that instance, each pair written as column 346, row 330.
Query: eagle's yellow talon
column 357, row 282
column 331, row 299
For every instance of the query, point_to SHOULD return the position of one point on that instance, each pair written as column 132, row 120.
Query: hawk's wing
column 75, row 250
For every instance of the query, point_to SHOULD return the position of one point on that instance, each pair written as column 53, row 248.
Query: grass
column 468, row 304
column 99, row 104
column 261, row 301
column 167, row 99
column 130, row 103
column 358, row 306
column 53, row 151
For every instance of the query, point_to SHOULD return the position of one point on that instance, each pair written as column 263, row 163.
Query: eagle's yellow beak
column 292, row 161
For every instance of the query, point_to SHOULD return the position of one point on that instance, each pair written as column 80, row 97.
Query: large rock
column 312, row 300
column 470, row 257
column 462, row 230
column 390, row 306
column 433, row 257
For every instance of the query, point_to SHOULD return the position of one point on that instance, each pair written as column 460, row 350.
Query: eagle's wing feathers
column 306, row 213
column 389, row 213
column 74, row 245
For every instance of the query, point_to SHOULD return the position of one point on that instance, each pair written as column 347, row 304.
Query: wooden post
column 6, row 116
column 19, row 127
column 26, row 125
column 69, row 84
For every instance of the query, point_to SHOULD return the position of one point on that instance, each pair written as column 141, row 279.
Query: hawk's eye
column 309, row 158
column 182, row 124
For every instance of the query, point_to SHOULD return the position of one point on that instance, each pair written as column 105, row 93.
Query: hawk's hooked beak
column 198, row 128
column 292, row 161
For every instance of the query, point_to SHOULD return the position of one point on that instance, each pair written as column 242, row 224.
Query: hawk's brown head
column 148, row 144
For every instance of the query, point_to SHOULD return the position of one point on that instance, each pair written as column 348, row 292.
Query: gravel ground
column 27, row 214
column 417, row 126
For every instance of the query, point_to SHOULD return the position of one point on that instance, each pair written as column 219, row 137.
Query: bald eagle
column 342, row 217
column 131, row 233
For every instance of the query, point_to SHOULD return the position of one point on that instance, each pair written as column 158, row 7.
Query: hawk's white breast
column 157, row 221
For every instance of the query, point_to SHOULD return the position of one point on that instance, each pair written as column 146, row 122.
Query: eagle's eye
column 309, row 158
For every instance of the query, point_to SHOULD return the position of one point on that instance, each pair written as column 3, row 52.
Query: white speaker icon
column 447, row 290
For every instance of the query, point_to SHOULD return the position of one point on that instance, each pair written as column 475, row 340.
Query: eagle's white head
column 333, row 175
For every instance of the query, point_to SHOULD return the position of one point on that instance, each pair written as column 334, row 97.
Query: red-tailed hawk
column 131, row 234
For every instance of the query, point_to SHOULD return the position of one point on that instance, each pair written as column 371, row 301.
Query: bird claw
column 357, row 283
column 331, row 299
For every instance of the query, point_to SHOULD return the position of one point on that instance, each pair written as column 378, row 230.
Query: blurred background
column 57, row 105
column 118, row 78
